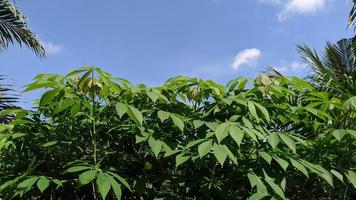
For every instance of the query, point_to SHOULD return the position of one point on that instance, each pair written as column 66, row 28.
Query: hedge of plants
column 94, row 136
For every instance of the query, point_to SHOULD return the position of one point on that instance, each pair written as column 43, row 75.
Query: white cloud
column 52, row 48
column 246, row 57
column 294, row 7
column 301, row 6
column 297, row 66
column 274, row 2
column 291, row 67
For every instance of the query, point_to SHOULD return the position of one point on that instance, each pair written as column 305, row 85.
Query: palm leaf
column 8, row 98
column 14, row 28
column 336, row 69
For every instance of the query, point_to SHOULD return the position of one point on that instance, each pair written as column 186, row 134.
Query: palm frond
column 336, row 69
column 8, row 98
column 14, row 28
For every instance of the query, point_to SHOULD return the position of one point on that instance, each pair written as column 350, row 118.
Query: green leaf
column 258, row 196
column 48, row 144
column 25, row 185
column 87, row 177
column 198, row 123
column 58, row 183
column 337, row 175
column 103, row 184
column 220, row 153
column 236, row 133
column 153, row 96
column 135, row 115
column 194, row 142
column 339, row 134
column 288, row 141
column 47, row 97
column 163, row 115
column 178, row 122
column 42, row 184
column 156, row 146
column 266, row 157
column 38, row 85
column 116, row 187
column 299, row 166
column 350, row 103
column 230, row 155
column 204, row 148
column 122, row 180
column 264, row 111
column 77, row 169
column 352, row 177
column 121, row 109
column 273, row 140
column 256, row 181
column 284, row 164
column 275, row 188
column 180, row 159
column 222, row 131
column 252, row 110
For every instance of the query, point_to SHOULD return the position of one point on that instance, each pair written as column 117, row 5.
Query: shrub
column 94, row 136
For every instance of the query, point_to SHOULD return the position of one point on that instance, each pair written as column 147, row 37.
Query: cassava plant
column 94, row 136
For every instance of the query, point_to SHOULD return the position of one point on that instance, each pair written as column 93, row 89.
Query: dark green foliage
column 94, row 136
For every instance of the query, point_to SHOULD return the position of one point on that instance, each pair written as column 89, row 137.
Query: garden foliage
column 94, row 136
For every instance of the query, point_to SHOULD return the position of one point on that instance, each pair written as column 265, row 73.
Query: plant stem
column 93, row 124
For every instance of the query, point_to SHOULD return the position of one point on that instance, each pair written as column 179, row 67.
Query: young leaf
column 87, row 177
column 103, row 184
column 42, row 184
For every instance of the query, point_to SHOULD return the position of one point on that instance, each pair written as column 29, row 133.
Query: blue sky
column 148, row 41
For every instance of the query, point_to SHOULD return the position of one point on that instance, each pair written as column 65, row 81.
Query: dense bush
column 94, row 136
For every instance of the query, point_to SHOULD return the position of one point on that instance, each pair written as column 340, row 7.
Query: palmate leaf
column 14, row 28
